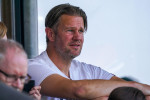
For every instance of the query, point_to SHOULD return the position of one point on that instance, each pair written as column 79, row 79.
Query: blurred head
column 13, row 64
column 3, row 30
column 126, row 93
column 52, row 19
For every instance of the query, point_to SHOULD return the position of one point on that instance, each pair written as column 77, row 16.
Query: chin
column 73, row 56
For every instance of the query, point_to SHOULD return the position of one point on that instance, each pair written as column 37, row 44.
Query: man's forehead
column 70, row 21
column 65, row 16
column 11, row 55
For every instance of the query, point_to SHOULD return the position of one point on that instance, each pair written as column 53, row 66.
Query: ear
column 50, row 33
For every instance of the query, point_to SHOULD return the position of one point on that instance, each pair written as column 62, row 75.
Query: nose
column 77, row 35
column 18, row 84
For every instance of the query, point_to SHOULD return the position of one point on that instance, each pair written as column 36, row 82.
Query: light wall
column 118, row 36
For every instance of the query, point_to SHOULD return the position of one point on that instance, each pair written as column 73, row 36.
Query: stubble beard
column 66, row 54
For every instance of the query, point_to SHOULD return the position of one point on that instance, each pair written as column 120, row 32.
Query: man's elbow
column 80, row 91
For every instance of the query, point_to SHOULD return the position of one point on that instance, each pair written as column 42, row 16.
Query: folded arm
column 58, row 86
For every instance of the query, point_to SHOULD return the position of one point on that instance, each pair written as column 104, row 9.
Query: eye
column 81, row 31
column 22, row 77
column 70, row 30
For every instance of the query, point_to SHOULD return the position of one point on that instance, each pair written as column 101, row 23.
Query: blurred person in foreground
column 13, row 67
column 60, row 76
column 9, row 93
column 126, row 93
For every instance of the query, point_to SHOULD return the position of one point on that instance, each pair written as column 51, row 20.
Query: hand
column 35, row 92
column 147, row 97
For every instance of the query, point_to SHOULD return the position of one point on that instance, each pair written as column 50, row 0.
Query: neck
column 62, row 64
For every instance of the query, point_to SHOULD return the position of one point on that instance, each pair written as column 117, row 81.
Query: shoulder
column 38, row 60
column 39, row 68
column 39, row 65
column 94, row 72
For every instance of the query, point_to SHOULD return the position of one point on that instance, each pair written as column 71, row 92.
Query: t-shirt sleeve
column 39, row 72
column 99, row 73
column 94, row 72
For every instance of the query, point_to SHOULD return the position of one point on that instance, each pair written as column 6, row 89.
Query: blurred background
column 117, row 39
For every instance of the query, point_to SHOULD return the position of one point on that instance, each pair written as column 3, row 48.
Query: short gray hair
column 6, row 45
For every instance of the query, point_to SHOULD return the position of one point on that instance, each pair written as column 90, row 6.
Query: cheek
column 63, row 40
column 82, row 39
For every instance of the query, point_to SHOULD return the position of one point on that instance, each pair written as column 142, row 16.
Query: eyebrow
column 67, row 27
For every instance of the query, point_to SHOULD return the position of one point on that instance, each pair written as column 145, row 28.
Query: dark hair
column 52, row 18
column 126, row 93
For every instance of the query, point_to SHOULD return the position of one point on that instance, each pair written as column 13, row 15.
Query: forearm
column 102, row 88
column 92, row 89
column 58, row 86
column 143, row 87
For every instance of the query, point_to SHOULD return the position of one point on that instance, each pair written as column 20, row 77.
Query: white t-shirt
column 41, row 67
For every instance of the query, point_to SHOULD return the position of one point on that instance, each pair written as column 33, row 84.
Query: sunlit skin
column 19, row 63
column 70, row 36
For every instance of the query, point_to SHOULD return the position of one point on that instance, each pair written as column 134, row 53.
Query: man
column 13, row 66
column 56, row 71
